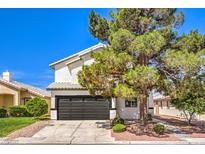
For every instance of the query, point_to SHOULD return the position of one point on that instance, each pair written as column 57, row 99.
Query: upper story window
column 131, row 103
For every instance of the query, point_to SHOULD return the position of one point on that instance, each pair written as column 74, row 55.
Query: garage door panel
column 85, row 108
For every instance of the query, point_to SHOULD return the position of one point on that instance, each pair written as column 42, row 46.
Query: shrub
column 117, row 120
column 44, row 117
column 119, row 128
column 149, row 116
column 3, row 112
column 18, row 111
column 37, row 107
column 159, row 129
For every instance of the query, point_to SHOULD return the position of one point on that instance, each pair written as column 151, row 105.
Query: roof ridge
column 10, row 83
column 32, row 89
column 78, row 53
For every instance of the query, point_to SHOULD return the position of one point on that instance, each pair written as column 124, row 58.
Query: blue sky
column 31, row 39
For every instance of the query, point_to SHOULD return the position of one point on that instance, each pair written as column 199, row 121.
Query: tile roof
column 64, row 86
column 22, row 86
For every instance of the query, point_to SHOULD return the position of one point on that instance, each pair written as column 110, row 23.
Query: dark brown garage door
column 83, row 108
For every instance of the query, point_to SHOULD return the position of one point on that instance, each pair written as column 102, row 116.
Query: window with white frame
column 131, row 103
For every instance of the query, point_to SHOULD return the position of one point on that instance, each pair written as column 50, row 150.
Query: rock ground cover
column 137, row 132
column 196, row 130
column 127, row 136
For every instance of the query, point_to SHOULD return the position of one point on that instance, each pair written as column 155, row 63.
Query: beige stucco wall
column 202, row 117
column 10, row 96
column 1, row 100
column 6, row 100
column 172, row 111
column 5, row 91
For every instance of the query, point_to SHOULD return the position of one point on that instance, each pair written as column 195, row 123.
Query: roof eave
column 83, row 52
column 50, row 89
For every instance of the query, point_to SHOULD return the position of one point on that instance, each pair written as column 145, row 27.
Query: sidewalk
column 187, row 142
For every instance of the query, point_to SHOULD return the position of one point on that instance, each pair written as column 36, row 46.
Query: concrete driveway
column 72, row 132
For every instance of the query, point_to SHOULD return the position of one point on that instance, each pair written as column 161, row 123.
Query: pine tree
column 134, row 61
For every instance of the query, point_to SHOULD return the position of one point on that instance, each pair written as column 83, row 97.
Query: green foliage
column 98, row 26
column 37, row 107
column 123, row 91
column 142, row 76
column 117, row 120
column 148, row 44
column 100, row 77
column 184, row 63
column 159, row 129
column 18, row 111
column 44, row 117
column 143, row 53
column 138, row 21
column 193, row 42
column 113, row 62
column 189, row 97
column 121, row 40
column 118, row 128
column 3, row 112
column 184, row 70
column 98, row 81
column 8, row 125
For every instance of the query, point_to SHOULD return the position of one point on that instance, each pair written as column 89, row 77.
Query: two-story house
column 70, row 101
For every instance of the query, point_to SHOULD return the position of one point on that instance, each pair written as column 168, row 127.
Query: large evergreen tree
column 136, row 59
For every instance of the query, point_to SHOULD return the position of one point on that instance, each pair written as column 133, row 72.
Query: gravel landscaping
column 136, row 132
column 197, row 135
column 197, row 129
column 127, row 136
column 176, row 129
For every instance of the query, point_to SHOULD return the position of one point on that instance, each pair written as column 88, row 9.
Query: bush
column 117, row 120
column 44, row 117
column 159, row 129
column 149, row 116
column 3, row 112
column 119, row 128
column 37, row 107
column 18, row 111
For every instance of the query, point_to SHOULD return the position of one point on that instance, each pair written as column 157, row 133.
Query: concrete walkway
column 70, row 132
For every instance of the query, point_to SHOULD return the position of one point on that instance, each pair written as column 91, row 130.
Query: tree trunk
column 143, row 110
column 143, row 101
column 190, row 118
column 189, row 121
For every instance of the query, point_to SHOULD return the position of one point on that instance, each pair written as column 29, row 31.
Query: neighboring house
column 163, row 106
column 14, row 93
column 70, row 101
